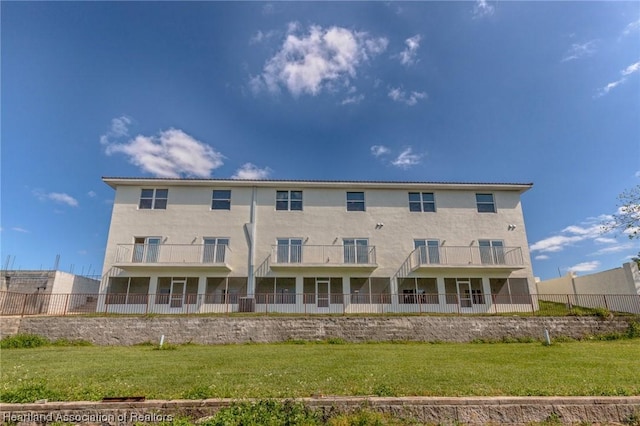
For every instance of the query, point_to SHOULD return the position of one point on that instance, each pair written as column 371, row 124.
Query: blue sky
column 542, row 92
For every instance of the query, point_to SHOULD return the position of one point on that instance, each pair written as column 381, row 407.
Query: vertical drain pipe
column 251, row 285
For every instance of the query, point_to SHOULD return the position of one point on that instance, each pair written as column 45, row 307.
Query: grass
column 300, row 369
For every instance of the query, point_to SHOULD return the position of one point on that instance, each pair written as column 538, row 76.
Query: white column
column 442, row 298
column 299, row 291
column 153, row 290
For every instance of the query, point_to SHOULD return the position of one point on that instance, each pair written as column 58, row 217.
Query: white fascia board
column 114, row 182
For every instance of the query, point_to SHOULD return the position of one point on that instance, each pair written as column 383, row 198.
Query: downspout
column 251, row 282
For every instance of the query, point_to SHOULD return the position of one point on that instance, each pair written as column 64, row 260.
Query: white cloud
column 555, row 244
column 63, row 198
column 585, row 266
column 378, row 150
column 637, row 174
column 92, row 194
column 605, row 240
column 541, row 257
column 633, row 68
column 170, row 154
column 633, row 26
column 578, row 50
column 259, row 37
column 411, row 99
column 320, row 59
column 19, row 229
column 407, row 159
column 251, row 171
column 613, row 249
column 408, row 56
column 58, row 197
column 353, row 99
column 482, row 9
column 119, row 129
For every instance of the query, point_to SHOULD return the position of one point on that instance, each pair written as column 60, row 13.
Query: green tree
column 627, row 217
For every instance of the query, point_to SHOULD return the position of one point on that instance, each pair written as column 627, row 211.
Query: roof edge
column 114, row 182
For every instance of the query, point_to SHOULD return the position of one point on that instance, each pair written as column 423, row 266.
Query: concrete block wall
column 225, row 330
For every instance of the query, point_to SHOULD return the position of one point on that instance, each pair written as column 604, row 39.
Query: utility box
column 246, row 304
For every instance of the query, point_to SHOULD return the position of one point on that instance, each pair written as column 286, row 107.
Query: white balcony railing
column 158, row 254
column 456, row 256
column 336, row 255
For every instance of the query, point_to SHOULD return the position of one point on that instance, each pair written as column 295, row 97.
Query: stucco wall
column 623, row 280
column 324, row 221
column 214, row 330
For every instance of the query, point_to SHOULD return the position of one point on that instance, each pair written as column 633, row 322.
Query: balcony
column 428, row 258
column 352, row 257
column 211, row 257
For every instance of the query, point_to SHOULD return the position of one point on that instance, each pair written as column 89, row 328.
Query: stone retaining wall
column 467, row 411
column 223, row 330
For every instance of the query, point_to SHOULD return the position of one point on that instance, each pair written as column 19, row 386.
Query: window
column 422, row 202
column 155, row 199
column 221, row 199
column 289, row 250
column 356, row 250
column 214, row 249
column 491, row 252
column 288, row 200
column 428, row 251
column 485, row 203
column 355, row 201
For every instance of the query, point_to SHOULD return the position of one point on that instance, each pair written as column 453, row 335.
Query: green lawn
column 298, row 370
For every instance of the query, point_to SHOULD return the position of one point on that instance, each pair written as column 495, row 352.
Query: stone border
column 432, row 410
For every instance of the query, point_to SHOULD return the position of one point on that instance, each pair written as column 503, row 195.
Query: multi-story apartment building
column 216, row 245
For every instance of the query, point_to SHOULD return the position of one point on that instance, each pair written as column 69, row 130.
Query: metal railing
column 443, row 256
column 171, row 253
column 335, row 255
column 20, row 304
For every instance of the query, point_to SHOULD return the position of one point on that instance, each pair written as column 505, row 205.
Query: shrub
column 336, row 341
column 633, row 331
column 23, row 341
column 267, row 413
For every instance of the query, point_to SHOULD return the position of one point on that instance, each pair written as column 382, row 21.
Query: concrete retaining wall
column 221, row 330
column 468, row 411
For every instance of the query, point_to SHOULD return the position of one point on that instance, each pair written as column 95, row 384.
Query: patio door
column 146, row 249
column 464, row 293
column 176, row 298
column 322, row 292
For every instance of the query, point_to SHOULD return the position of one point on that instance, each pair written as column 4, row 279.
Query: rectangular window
column 356, row 250
column 155, row 199
column 355, row 202
column 288, row 200
column 214, row 249
column 289, row 250
column 485, row 203
column 422, row 202
column 428, row 251
column 221, row 199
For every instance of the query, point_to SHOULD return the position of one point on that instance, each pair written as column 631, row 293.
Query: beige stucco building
column 215, row 245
